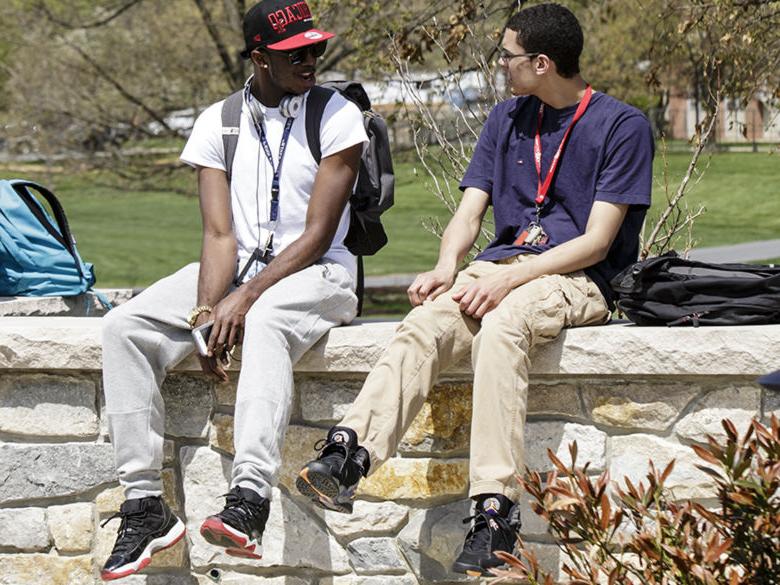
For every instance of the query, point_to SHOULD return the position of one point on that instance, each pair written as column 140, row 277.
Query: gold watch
column 196, row 312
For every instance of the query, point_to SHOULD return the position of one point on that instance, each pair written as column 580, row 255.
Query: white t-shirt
column 342, row 127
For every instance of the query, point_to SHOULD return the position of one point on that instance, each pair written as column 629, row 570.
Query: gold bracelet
column 196, row 312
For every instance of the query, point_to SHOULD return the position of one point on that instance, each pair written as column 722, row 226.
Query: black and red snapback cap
column 281, row 25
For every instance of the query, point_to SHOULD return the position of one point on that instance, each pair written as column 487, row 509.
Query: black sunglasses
column 298, row 56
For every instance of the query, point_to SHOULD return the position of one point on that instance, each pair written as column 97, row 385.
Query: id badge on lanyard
column 534, row 234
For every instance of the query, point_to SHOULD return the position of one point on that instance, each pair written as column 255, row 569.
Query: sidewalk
column 747, row 252
column 736, row 253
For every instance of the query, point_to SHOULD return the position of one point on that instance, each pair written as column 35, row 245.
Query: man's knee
column 116, row 323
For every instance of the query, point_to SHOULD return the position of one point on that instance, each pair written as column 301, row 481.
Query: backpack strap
column 63, row 236
column 231, row 122
column 315, row 108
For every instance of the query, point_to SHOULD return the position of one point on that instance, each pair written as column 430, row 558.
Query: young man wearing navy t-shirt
column 568, row 173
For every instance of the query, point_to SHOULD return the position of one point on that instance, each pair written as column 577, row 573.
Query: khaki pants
column 436, row 334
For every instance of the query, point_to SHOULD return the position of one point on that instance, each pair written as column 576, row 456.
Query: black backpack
column 374, row 190
column 669, row 290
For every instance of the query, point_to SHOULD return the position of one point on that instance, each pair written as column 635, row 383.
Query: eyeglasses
column 507, row 56
column 298, row 56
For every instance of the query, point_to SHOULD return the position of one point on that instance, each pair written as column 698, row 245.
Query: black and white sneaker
column 495, row 527
column 148, row 526
column 239, row 526
column 331, row 480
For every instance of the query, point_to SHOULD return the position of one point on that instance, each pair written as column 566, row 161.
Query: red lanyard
column 543, row 188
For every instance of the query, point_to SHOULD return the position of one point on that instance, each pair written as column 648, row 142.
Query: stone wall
column 626, row 394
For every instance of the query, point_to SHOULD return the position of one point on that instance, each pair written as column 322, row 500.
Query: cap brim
column 304, row 39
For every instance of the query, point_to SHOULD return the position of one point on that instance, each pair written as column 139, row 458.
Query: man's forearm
column 578, row 253
column 217, row 269
column 570, row 256
column 460, row 235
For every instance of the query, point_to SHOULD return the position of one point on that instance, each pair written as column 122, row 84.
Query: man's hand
column 211, row 366
column 228, row 316
column 484, row 294
column 430, row 285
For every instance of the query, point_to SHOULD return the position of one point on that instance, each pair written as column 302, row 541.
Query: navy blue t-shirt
column 608, row 157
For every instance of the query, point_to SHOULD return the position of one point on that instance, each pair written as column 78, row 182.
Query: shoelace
column 479, row 536
column 323, row 445
column 240, row 510
column 129, row 530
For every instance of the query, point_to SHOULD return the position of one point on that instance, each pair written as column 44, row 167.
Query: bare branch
column 120, row 88
column 232, row 68
column 94, row 24
column 702, row 139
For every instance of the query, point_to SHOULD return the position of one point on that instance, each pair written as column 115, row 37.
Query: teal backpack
column 38, row 255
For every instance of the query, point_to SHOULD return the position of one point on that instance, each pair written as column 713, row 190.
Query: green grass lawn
column 134, row 238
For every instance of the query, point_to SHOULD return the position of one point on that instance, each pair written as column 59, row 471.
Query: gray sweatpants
column 147, row 336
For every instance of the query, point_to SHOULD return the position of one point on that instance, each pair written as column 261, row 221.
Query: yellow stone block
column 417, row 479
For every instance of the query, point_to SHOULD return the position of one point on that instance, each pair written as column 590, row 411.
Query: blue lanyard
column 277, row 169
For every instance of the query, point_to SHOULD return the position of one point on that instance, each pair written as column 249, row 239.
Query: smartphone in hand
column 200, row 335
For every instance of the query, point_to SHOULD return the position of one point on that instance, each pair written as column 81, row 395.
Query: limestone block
column 72, row 527
column 293, row 539
column 367, row 519
column 557, row 436
column 325, row 399
column 221, row 433
column 297, row 451
column 174, row 557
column 625, row 349
column 108, row 501
column 375, row 556
column 47, row 471
column 533, row 525
column 226, row 392
column 354, row 348
column 771, row 404
column 739, row 403
column 417, row 479
column 45, row 405
column 366, row 580
column 67, row 343
column 24, row 529
column 187, row 405
column 432, row 540
column 298, row 446
column 35, row 569
column 51, row 343
column 631, row 454
column 550, row 559
column 85, row 305
column 159, row 579
column 645, row 406
column 169, row 452
column 443, row 425
column 554, row 399
column 228, row 578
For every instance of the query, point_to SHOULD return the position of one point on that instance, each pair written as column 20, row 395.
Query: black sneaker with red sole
column 148, row 526
column 239, row 526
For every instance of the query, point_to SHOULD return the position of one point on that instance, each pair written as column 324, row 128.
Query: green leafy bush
column 612, row 534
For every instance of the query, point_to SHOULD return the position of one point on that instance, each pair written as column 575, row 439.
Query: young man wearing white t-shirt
column 277, row 225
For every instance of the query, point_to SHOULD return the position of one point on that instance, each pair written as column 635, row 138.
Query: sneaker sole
column 237, row 543
column 471, row 570
column 322, row 490
column 174, row 535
